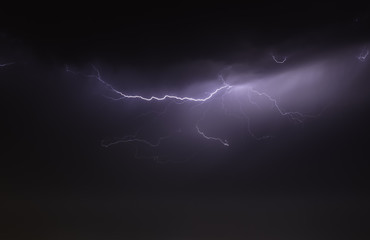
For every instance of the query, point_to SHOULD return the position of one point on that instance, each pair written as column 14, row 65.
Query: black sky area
column 57, row 182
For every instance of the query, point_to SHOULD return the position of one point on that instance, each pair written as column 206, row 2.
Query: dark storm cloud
column 308, row 180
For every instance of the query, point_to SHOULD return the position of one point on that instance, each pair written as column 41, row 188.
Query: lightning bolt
column 224, row 142
column 293, row 115
column 222, row 91
column 122, row 95
column 279, row 60
column 201, row 133
column 363, row 55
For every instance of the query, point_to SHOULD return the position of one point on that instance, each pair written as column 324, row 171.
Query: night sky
column 308, row 181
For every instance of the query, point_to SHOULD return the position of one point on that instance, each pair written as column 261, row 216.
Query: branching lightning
column 122, row 95
column 219, row 93
column 293, row 115
column 224, row 142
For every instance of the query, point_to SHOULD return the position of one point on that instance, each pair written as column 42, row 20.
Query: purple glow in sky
column 259, row 97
